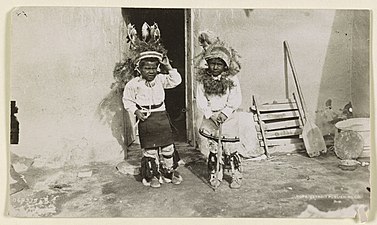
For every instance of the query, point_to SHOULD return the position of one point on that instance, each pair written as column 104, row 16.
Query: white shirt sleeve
column 202, row 102
column 170, row 80
column 234, row 99
column 129, row 97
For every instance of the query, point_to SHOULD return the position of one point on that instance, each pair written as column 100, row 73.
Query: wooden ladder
column 279, row 125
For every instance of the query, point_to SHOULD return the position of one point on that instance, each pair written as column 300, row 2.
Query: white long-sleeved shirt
column 226, row 103
column 136, row 91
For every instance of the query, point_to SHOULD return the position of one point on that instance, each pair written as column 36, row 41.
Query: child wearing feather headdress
column 218, row 97
column 144, row 97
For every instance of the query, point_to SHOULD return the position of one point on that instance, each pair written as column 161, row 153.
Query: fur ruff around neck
column 214, row 86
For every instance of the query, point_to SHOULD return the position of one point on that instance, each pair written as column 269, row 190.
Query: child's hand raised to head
column 165, row 63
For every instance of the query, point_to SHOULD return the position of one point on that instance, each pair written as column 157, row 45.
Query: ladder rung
column 283, row 133
column 282, row 101
column 282, row 125
column 276, row 107
column 287, row 148
column 281, row 141
column 279, row 115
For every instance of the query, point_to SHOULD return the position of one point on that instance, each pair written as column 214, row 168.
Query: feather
column 131, row 33
column 203, row 40
column 206, row 38
column 152, row 30
column 155, row 32
column 145, row 31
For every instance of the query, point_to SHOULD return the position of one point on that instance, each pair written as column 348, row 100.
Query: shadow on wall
column 111, row 110
column 248, row 12
column 337, row 80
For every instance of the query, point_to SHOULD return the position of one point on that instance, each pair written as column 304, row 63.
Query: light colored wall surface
column 63, row 58
column 360, row 67
column 62, row 62
column 329, row 49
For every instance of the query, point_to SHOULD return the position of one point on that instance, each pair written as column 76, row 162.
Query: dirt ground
column 288, row 185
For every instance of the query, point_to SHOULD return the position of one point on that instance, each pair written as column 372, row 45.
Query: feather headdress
column 213, row 47
column 148, row 46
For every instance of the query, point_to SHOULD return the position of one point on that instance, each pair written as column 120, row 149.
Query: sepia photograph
column 189, row 113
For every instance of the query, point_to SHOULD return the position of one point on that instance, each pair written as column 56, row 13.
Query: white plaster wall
column 360, row 67
column 258, row 38
column 330, row 51
column 322, row 42
column 61, row 68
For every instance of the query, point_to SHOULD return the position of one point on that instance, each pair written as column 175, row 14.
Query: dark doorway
column 172, row 25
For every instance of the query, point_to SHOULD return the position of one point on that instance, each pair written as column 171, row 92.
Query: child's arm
column 129, row 97
column 234, row 98
column 173, row 78
column 129, row 101
column 202, row 102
